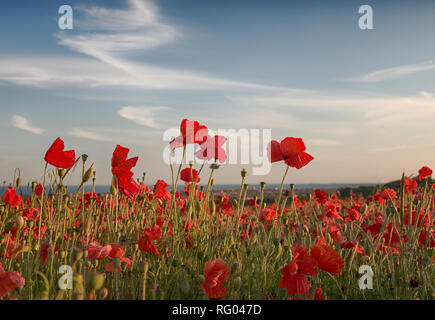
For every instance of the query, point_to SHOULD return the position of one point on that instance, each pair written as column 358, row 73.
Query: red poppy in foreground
column 424, row 172
column 11, row 198
column 9, row 281
column 59, row 158
column 160, row 190
column 327, row 258
column 121, row 169
column 189, row 175
column 191, row 132
column 291, row 150
column 216, row 273
column 294, row 274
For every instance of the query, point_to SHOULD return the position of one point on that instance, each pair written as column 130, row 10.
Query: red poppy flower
column 132, row 189
column 294, row 274
column 424, row 172
column 160, row 190
column 121, row 167
column 11, row 198
column 97, row 252
column 352, row 244
column 189, row 175
column 327, row 258
column 389, row 192
column 291, row 150
column 211, row 148
column 216, row 273
column 117, row 251
column 410, row 186
column 146, row 242
column 9, row 281
column 39, row 190
column 191, row 132
column 59, row 158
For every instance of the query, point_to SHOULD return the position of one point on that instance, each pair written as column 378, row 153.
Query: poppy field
column 156, row 243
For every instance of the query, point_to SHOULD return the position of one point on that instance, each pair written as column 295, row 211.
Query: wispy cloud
column 90, row 135
column 375, row 111
column 144, row 116
column 22, row 123
column 394, row 73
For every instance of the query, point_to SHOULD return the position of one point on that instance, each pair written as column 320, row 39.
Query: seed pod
column 95, row 280
column 116, row 262
column 244, row 173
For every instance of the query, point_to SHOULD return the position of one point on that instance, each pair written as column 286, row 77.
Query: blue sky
column 362, row 100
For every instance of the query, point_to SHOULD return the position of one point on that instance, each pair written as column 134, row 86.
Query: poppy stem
column 282, row 185
column 42, row 205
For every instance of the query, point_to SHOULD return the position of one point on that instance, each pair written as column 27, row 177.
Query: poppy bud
column 18, row 182
column 262, row 184
column 61, row 173
column 212, row 182
column 85, row 157
column 20, row 222
column 113, row 190
column 88, row 175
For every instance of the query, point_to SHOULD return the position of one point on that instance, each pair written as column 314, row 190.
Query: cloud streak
column 394, row 73
column 144, row 116
column 22, row 123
